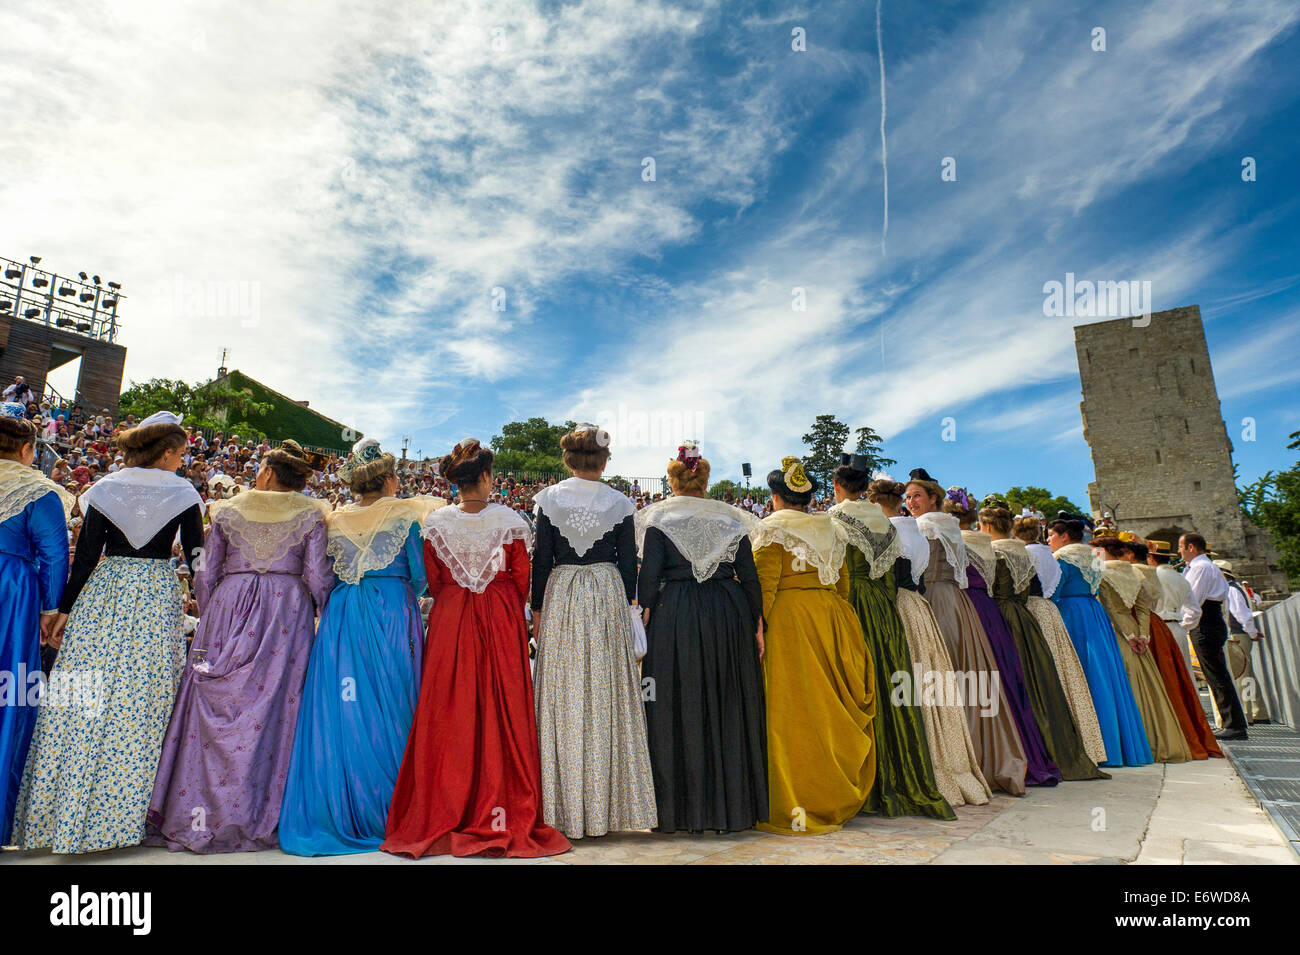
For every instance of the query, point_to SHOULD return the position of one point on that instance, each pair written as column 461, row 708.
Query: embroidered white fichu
column 864, row 525
column 140, row 502
column 369, row 538
column 810, row 538
column 1049, row 571
column 706, row 532
column 582, row 511
column 473, row 545
column 913, row 545
column 936, row 525
column 1020, row 563
column 21, row 485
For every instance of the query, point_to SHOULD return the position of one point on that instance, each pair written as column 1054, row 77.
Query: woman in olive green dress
column 905, row 779
column 1013, row 573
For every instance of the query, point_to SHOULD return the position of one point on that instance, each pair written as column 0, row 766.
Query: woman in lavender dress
column 263, row 577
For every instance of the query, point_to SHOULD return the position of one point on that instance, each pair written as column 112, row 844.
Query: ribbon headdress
column 11, row 409
column 792, row 473
column 688, row 452
column 959, row 496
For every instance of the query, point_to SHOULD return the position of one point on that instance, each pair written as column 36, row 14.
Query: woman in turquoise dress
column 1094, row 640
column 363, row 680
column 33, row 569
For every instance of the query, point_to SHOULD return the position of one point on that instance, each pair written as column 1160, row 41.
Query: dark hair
column 14, row 433
column 999, row 518
column 776, row 483
column 1138, row 550
column 884, row 491
column 586, row 450
column 143, row 445
column 855, row 482
column 1027, row 529
column 1113, row 546
column 467, row 463
column 1071, row 529
column 1193, row 539
column 288, row 464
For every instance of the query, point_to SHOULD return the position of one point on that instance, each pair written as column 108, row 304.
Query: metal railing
column 79, row 306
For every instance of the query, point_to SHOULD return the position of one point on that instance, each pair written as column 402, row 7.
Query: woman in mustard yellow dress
column 818, row 677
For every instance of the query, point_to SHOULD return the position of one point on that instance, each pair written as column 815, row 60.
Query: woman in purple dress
column 261, row 581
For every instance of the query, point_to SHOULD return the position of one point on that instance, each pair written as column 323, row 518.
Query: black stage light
column 40, row 281
column 116, row 286
column 34, row 259
column 31, row 312
column 13, row 272
column 87, row 296
column 5, row 304
column 745, row 470
column 108, row 303
column 83, row 275
column 66, row 289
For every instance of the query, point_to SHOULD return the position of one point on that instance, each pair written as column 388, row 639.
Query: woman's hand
column 645, row 617
column 759, row 637
column 55, row 638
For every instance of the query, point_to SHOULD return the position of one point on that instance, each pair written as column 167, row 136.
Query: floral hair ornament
column 688, row 452
column 958, row 495
column 11, row 409
column 793, row 474
column 363, row 452
column 160, row 417
column 992, row 500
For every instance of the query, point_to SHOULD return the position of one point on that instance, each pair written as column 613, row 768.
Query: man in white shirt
column 1203, row 619
column 1242, row 634
column 1174, row 592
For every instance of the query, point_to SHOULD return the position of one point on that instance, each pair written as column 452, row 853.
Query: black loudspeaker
column 745, row 470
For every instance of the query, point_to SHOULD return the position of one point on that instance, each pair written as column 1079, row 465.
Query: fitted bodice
column 1072, row 583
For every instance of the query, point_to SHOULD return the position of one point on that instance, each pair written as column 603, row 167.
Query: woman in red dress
column 470, row 782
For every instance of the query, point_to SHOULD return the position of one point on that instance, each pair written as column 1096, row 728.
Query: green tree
column 201, row 406
column 1041, row 498
column 157, row 394
column 871, row 444
column 532, row 445
column 720, row 489
column 1273, row 503
column 826, row 442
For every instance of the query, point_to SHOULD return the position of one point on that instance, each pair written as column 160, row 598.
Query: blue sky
column 373, row 173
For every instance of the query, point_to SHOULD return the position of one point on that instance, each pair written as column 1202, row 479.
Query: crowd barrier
column 1277, row 661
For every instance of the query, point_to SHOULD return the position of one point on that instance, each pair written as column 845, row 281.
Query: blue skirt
column 1093, row 636
column 363, row 683
column 20, row 658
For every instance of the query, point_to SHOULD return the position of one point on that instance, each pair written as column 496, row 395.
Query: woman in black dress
column 703, row 679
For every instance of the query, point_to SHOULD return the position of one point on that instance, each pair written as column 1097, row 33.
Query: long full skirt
column 20, row 659
column 1164, row 735
column 989, row 716
column 821, row 703
column 357, row 704
column 952, row 753
column 1051, row 711
column 596, row 775
column 704, row 711
column 1182, row 693
column 470, row 781
column 1070, row 671
column 905, row 777
column 226, row 753
column 1097, row 646
column 91, row 767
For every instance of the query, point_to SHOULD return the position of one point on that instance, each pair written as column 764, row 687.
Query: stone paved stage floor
column 1190, row 813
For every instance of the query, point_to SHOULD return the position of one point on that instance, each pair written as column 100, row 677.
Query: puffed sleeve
column 767, row 563
column 317, row 565
column 652, row 563
column 543, row 558
column 519, row 567
column 625, row 541
column 416, row 570
column 48, row 526
column 209, row 566
column 90, row 545
column 747, row 574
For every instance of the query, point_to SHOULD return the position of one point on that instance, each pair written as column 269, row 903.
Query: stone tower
column 1160, row 450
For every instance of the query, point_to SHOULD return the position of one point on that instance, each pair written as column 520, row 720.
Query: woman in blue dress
column 33, row 569
column 363, row 680
column 1094, row 640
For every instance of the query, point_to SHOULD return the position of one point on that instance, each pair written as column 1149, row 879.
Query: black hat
column 921, row 474
column 855, row 462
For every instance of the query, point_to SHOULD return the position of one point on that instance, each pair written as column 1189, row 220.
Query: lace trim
column 706, row 532
column 268, row 543
column 352, row 561
column 21, row 486
column 472, row 546
column 944, row 529
column 1088, row 563
column 879, row 550
column 1020, row 563
column 828, row 561
column 583, row 511
column 140, row 502
column 914, row 546
column 1125, row 581
column 1049, row 571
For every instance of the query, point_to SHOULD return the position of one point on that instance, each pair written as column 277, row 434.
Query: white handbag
column 638, row 632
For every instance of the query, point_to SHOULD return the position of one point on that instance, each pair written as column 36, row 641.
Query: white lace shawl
column 810, row 539
column 473, row 545
column 1083, row 557
column 1049, row 571
column 935, row 525
column 140, row 501
column 582, row 511
column 706, row 532
column 366, row 539
column 1121, row 575
column 1019, row 561
column 980, row 554
column 864, row 525
column 21, row 485
column 266, row 525
column 914, row 546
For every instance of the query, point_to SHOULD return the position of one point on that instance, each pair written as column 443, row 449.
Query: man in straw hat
column 1203, row 618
